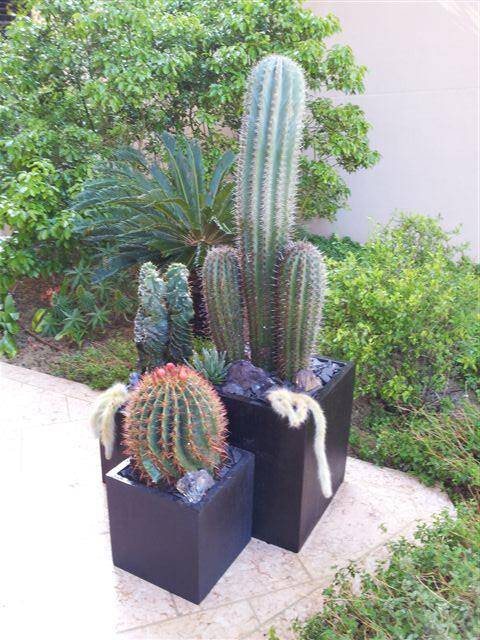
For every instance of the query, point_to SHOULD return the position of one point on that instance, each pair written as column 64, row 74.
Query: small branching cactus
column 151, row 321
column 175, row 423
column 162, row 323
column 266, row 186
column 181, row 313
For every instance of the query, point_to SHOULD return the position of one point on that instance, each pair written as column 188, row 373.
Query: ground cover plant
column 78, row 79
column 430, row 589
column 99, row 365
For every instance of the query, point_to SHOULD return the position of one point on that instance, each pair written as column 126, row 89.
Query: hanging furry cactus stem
column 103, row 416
column 295, row 407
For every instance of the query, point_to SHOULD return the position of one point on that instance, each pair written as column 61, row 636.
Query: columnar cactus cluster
column 162, row 323
column 175, row 423
column 279, row 284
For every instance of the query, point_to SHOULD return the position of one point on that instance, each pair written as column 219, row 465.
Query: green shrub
column 405, row 309
column 428, row 591
column 100, row 366
column 436, row 447
column 333, row 247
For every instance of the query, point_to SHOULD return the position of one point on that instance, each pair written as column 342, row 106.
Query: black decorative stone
column 183, row 548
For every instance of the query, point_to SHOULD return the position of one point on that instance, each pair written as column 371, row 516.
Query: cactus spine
column 175, row 422
column 301, row 284
column 266, row 185
column 266, row 182
column 221, row 278
column 162, row 324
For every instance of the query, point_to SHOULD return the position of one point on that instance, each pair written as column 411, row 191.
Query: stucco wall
column 422, row 99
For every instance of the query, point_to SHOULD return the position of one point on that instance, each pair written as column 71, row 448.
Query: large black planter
column 183, row 548
column 118, row 454
column 288, row 501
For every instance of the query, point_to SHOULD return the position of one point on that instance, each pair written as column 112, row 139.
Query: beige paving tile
column 224, row 623
column 260, row 568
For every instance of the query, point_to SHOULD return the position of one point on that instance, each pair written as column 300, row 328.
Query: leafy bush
column 333, row 247
column 436, row 447
column 101, row 365
column 428, row 591
column 406, row 311
column 145, row 213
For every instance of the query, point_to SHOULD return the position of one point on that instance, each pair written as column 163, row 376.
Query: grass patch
column 99, row 365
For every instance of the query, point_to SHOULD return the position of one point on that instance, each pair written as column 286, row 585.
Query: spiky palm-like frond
column 145, row 212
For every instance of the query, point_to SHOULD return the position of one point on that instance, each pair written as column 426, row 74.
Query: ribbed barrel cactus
column 162, row 324
column 175, row 423
column 281, row 338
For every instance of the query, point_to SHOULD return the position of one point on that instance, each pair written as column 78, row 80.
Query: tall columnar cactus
column 266, row 185
column 175, row 422
column 162, row 323
column 180, row 308
column 221, row 278
column 301, row 283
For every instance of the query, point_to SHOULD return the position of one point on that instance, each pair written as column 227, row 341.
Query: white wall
column 421, row 97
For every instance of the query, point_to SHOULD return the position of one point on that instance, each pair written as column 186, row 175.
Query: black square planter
column 183, row 548
column 288, row 501
column 118, row 454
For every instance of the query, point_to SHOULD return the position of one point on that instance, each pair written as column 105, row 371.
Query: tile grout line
column 220, row 606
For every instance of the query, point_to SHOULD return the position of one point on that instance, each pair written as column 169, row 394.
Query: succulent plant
column 210, row 363
column 162, row 324
column 175, row 423
column 265, row 207
column 180, row 312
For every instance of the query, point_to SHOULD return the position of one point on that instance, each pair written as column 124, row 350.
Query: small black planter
column 288, row 501
column 118, row 454
column 181, row 547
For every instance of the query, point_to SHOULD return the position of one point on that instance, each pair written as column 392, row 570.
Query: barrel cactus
column 265, row 214
column 162, row 323
column 175, row 423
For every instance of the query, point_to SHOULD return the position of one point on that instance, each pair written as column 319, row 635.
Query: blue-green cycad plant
column 145, row 212
column 282, row 282
column 163, row 322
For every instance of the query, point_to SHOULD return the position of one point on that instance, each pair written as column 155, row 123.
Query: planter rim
column 114, row 474
column 317, row 392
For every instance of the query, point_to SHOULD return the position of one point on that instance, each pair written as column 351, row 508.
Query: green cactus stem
column 175, row 423
column 151, row 321
column 180, row 312
column 221, row 283
column 266, row 185
column 301, row 283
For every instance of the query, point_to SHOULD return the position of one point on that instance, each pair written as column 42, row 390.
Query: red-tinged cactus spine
column 175, row 423
column 223, row 299
column 301, row 283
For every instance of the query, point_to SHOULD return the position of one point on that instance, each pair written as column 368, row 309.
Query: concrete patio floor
column 57, row 578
